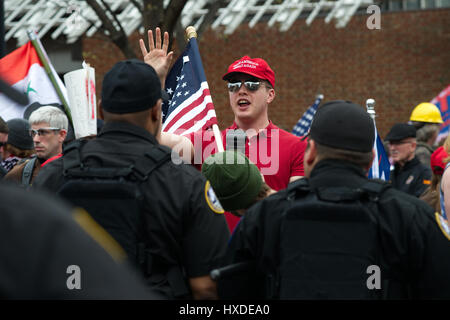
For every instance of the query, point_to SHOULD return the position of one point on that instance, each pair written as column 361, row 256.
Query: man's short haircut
column 362, row 159
column 3, row 126
column 427, row 131
column 54, row 116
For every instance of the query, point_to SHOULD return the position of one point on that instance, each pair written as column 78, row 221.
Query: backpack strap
column 157, row 155
column 74, row 167
column 373, row 189
column 297, row 189
column 72, row 156
column 141, row 169
column 28, row 171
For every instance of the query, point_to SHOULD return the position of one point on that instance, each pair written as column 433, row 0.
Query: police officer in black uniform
column 336, row 234
column 184, row 226
column 45, row 254
column 409, row 174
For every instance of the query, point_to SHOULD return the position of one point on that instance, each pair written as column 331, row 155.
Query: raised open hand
column 157, row 55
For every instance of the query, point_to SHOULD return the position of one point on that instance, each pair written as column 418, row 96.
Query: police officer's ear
column 100, row 110
column 370, row 164
column 310, row 153
column 156, row 111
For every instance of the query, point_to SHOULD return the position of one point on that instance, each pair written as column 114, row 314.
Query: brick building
column 404, row 63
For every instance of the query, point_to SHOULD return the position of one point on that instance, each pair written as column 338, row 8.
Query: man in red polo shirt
column 251, row 85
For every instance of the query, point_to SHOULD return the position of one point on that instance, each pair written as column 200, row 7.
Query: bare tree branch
column 207, row 21
column 172, row 14
column 137, row 5
column 211, row 15
column 152, row 15
column 118, row 37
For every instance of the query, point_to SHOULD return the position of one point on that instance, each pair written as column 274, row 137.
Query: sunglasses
column 42, row 132
column 234, row 86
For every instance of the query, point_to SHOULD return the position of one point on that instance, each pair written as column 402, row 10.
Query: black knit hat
column 19, row 134
column 131, row 86
column 343, row 125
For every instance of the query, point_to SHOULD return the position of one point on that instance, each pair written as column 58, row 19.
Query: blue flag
column 302, row 126
column 381, row 168
column 190, row 107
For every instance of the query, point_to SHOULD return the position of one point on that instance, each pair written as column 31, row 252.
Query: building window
column 398, row 5
column 412, row 4
column 443, row 3
column 428, row 4
column 395, row 5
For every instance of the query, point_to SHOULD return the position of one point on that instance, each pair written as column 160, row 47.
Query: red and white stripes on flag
column 190, row 107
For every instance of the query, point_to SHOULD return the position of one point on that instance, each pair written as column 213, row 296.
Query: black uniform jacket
column 183, row 229
column 43, row 251
column 413, row 178
column 414, row 239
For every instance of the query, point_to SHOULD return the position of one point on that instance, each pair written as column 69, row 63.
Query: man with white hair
column 49, row 127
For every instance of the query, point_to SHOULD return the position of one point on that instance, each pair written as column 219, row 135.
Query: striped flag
column 381, row 168
column 442, row 101
column 190, row 107
column 23, row 70
column 302, row 126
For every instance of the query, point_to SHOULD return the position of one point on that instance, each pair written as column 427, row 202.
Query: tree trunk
column 153, row 15
column 172, row 14
column 118, row 37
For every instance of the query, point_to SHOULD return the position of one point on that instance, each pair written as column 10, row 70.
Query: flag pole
column 42, row 57
column 192, row 33
column 370, row 106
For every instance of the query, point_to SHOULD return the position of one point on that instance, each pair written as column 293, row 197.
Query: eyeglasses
column 42, row 131
column 234, row 86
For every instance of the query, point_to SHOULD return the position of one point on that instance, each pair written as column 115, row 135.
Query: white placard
column 80, row 86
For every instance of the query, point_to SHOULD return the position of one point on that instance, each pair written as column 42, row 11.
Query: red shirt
column 51, row 159
column 277, row 153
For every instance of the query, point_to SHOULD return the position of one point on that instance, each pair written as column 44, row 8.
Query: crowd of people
column 302, row 221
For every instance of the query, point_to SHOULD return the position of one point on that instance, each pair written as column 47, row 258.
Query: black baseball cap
column 131, row 86
column 343, row 125
column 400, row 131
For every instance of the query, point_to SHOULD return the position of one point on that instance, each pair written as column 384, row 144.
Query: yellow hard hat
column 426, row 112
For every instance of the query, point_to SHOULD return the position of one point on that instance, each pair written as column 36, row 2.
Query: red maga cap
column 256, row 67
column 437, row 158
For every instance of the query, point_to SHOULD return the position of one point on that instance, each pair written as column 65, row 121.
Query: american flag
column 302, row 126
column 190, row 107
column 442, row 101
column 381, row 168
